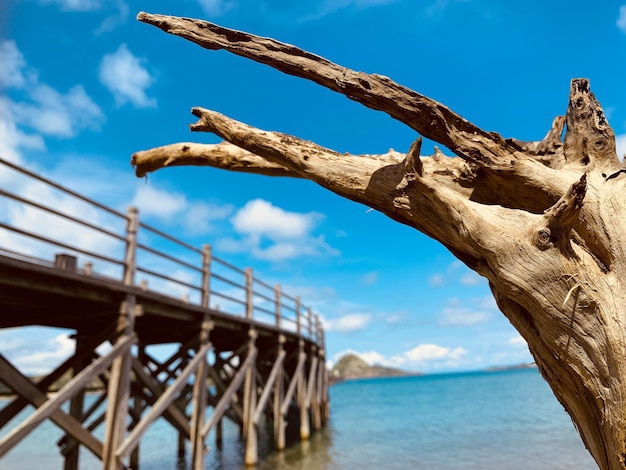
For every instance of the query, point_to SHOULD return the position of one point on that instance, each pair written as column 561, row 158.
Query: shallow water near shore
column 507, row 420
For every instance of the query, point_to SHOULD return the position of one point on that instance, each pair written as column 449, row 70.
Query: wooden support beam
column 199, row 400
column 229, row 393
column 77, row 403
column 316, row 396
column 279, row 396
column 28, row 391
column 139, row 404
column 311, row 382
column 173, row 414
column 249, row 405
column 268, row 386
column 305, row 430
column 9, row 411
column 252, row 453
column 118, row 392
column 160, row 405
column 68, row 391
column 292, row 384
column 222, row 387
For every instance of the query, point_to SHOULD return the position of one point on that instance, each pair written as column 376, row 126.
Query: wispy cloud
column 13, row 66
column 468, row 313
column 518, row 342
column 216, row 7
column 287, row 11
column 45, row 111
column 58, row 114
column 74, row 5
column 126, row 77
column 41, row 111
column 455, row 272
column 116, row 18
column 369, row 279
column 348, row 323
column 621, row 19
column 196, row 217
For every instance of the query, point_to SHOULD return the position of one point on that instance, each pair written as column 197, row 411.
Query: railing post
column 277, row 297
column 249, row 305
column 309, row 315
column 298, row 320
column 130, row 258
column 206, row 275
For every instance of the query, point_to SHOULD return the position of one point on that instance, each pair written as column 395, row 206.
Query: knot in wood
column 543, row 239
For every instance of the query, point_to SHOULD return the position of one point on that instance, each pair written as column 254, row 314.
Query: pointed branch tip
column 412, row 161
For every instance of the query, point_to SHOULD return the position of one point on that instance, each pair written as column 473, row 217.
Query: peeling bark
column 543, row 221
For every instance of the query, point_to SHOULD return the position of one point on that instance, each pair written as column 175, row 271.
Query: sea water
column 506, row 420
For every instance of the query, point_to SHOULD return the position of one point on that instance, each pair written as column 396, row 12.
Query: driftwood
column 544, row 222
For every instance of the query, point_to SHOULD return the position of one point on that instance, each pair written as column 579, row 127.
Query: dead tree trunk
column 544, row 222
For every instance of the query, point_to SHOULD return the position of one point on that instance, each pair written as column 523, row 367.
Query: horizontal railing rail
column 132, row 252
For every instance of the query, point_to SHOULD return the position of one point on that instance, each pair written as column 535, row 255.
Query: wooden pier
column 244, row 350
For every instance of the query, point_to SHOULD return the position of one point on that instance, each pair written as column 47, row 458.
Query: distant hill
column 351, row 366
column 513, row 367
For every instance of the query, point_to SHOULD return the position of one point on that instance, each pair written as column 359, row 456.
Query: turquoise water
column 498, row 420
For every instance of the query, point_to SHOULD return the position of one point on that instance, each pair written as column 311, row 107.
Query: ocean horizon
column 504, row 420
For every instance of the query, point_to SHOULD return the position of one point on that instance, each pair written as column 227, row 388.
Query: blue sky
column 84, row 85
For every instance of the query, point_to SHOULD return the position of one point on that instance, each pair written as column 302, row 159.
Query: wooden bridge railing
column 261, row 350
column 132, row 250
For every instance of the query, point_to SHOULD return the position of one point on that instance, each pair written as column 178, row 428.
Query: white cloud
column 47, row 355
column 158, row 203
column 259, row 217
column 457, row 313
column 425, row 357
column 13, row 65
column 12, row 139
column 429, row 352
column 620, row 144
column 621, row 19
column 274, row 234
column 348, row 323
column 126, row 78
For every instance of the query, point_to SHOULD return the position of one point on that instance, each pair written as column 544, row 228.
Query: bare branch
column 428, row 117
column 223, row 155
column 559, row 220
column 549, row 150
